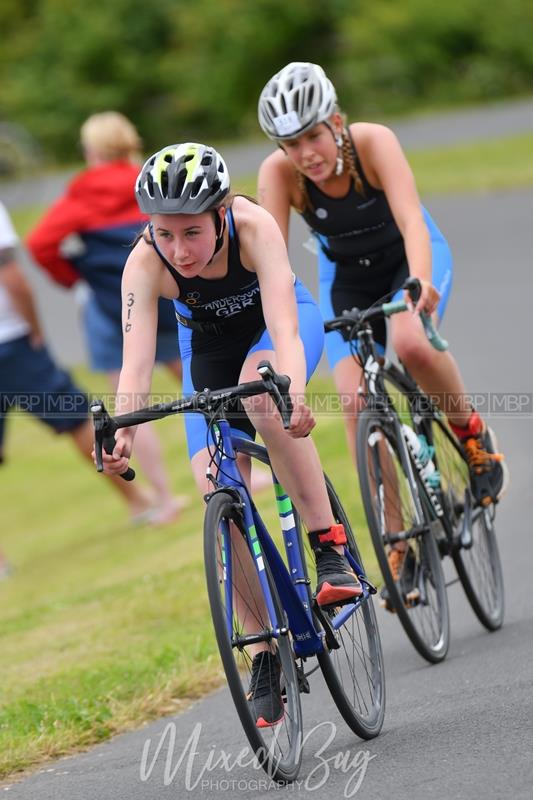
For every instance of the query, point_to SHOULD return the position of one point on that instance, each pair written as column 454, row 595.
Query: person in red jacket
column 86, row 235
column 30, row 379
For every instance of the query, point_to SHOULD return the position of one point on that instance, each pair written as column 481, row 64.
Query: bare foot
column 169, row 511
column 141, row 507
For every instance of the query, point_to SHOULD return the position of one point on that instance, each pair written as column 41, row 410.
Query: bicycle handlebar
column 104, row 437
column 356, row 317
column 105, row 426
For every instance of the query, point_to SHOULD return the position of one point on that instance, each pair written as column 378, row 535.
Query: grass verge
column 105, row 626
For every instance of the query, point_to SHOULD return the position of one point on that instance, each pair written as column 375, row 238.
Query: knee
column 352, row 404
column 262, row 415
column 417, row 355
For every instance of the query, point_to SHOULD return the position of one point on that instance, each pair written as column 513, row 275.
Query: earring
column 339, row 166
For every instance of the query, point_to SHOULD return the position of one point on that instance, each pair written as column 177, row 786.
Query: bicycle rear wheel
column 354, row 670
column 474, row 547
column 396, row 511
column 242, row 626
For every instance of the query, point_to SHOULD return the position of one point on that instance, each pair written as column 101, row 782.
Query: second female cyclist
column 356, row 191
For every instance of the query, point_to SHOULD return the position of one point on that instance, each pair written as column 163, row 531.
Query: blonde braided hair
column 349, row 163
column 349, row 159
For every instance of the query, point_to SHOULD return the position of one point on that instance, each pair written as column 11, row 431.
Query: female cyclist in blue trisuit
column 354, row 188
column 223, row 262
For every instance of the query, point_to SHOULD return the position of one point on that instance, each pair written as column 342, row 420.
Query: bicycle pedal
column 303, row 683
column 370, row 586
column 412, row 600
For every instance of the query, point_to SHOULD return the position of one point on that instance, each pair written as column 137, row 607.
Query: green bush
column 185, row 69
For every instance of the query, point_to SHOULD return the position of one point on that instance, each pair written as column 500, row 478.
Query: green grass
column 104, row 626
column 505, row 163
column 477, row 167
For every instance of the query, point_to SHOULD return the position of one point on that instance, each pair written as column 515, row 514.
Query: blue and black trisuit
column 362, row 255
column 221, row 323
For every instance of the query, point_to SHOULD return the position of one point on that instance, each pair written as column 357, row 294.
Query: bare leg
column 136, row 499
column 348, row 375
column 437, row 373
column 295, row 461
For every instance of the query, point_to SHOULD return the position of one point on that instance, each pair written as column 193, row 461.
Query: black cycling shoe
column 336, row 582
column 264, row 694
column 489, row 475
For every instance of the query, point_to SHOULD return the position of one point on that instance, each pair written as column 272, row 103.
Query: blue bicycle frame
column 291, row 585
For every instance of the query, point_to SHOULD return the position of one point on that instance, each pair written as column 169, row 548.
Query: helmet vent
column 191, row 178
column 182, row 177
column 150, row 184
column 197, row 185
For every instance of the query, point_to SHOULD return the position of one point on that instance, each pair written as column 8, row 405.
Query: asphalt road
column 462, row 729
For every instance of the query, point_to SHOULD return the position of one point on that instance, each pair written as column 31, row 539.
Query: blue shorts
column 31, row 381
column 362, row 296
column 220, row 369
column 104, row 339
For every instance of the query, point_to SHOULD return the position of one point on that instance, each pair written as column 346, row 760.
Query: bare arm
column 13, row 280
column 389, row 170
column 140, row 293
column 266, row 251
column 274, row 190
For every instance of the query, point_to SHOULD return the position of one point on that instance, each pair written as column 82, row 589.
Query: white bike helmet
column 296, row 99
column 185, row 178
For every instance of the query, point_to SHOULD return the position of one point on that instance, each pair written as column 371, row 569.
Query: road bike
column 261, row 596
column 415, row 488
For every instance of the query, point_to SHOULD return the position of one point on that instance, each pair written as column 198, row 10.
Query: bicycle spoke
column 478, row 566
column 401, row 532
column 239, row 610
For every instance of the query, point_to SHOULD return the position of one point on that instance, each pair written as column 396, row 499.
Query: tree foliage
column 194, row 68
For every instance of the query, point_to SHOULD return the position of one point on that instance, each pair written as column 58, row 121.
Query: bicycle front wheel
column 397, row 514
column 474, row 547
column 243, row 630
column 353, row 669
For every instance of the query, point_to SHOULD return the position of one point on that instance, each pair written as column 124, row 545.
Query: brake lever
column 104, row 437
column 278, row 388
column 414, row 289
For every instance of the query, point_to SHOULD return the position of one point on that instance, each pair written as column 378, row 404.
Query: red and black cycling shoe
column 264, row 695
column 336, row 581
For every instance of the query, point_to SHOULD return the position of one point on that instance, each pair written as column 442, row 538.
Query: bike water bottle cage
column 327, row 536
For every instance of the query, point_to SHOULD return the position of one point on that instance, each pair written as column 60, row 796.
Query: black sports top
column 219, row 304
column 354, row 226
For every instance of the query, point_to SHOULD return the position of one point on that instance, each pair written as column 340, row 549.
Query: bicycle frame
column 292, row 584
column 378, row 398
column 422, row 410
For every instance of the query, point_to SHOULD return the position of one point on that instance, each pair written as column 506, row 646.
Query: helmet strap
column 220, row 228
